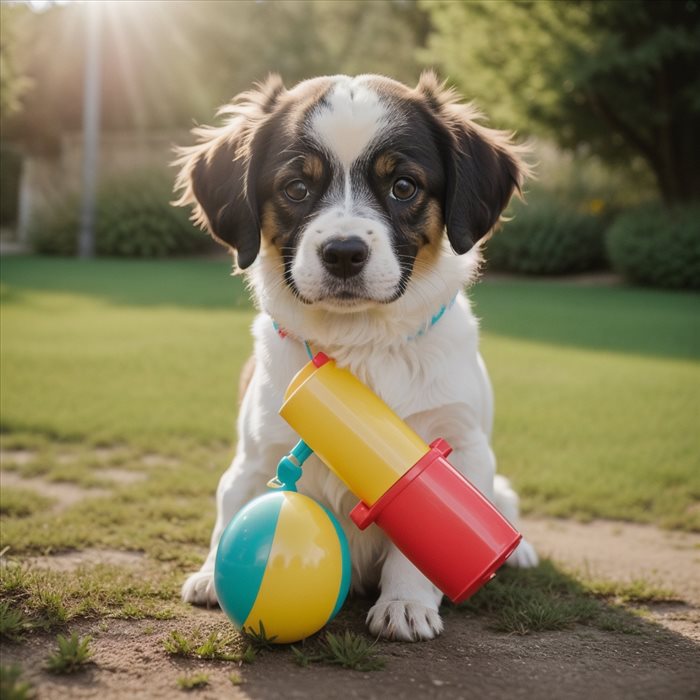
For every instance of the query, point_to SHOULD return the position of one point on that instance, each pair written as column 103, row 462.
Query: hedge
column 134, row 218
column 547, row 236
column 657, row 246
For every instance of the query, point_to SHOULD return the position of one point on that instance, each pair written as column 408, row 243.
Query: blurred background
column 608, row 93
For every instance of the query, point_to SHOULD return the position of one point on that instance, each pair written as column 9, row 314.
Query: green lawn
column 597, row 398
column 146, row 353
column 597, row 390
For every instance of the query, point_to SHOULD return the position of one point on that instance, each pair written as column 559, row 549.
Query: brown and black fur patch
column 432, row 230
column 273, row 233
column 384, row 165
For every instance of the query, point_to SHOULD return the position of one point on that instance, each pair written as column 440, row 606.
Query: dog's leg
column 407, row 608
column 506, row 500
column 477, row 462
column 478, row 453
column 244, row 479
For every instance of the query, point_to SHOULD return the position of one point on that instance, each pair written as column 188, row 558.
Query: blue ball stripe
column 241, row 558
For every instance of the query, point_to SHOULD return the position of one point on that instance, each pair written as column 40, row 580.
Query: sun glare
column 149, row 55
column 42, row 5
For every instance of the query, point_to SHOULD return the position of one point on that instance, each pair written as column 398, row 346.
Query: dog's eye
column 296, row 191
column 404, row 189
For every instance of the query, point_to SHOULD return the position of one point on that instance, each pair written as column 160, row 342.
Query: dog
column 356, row 208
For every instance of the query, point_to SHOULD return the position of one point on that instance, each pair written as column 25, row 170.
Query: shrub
column 657, row 246
column 134, row 218
column 547, row 236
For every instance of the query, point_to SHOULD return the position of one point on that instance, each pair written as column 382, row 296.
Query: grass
column 610, row 319
column 72, row 655
column 235, row 678
column 141, row 353
column 637, row 591
column 19, row 503
column 13, row 622
column 217, row 646
column 348, row 650
column 159, row 515
column 193, row 681
column 37, row 599
column 11, row 687
column 546, row 598
column 259, row 638
column 596, row 398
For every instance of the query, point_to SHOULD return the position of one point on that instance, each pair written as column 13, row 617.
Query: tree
column 167, row 63
column 13, row 84
column 621, row 77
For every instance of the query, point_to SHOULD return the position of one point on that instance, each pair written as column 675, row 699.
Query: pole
column 91, row 130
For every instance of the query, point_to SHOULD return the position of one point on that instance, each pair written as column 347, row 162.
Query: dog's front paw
column 403, row 620
column 524, row 556
column 198, row 589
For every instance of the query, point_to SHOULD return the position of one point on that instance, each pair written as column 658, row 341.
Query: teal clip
column 289, row 469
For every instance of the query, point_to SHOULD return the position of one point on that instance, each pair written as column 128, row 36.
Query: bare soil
column 467, row 661
column 65, row 494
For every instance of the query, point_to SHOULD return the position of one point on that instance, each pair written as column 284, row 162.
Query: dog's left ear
column 483, row 167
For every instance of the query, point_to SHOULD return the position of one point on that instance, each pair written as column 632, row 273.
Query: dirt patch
column 70, row 561
column 102, row 454
column 64, row 494
column 20, row 457
column 468, row 661
column 622, row 552
column 156, row 460
column 627, row 552
column 122, row 477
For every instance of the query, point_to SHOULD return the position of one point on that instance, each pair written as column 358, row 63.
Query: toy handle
column 289, row 470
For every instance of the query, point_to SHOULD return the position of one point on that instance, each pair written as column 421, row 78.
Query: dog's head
column 348, row 184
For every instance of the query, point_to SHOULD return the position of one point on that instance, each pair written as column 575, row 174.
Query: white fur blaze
column 349, row 121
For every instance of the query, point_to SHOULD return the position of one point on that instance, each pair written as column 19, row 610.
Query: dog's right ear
column 217, row 175
column 483, row 167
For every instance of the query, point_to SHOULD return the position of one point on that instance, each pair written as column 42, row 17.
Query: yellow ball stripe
column 303, row 574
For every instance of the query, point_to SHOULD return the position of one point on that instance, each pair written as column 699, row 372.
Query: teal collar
column 420, row 332
column 433, row 319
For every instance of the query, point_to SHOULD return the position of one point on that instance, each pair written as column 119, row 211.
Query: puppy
column 355, row 207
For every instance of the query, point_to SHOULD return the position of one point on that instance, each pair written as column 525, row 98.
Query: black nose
column 345, row 257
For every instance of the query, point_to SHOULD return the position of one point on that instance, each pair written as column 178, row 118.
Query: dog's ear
column 483, row 167
column 218, row 175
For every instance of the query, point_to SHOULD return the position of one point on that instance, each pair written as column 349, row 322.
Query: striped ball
column 284, row 561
